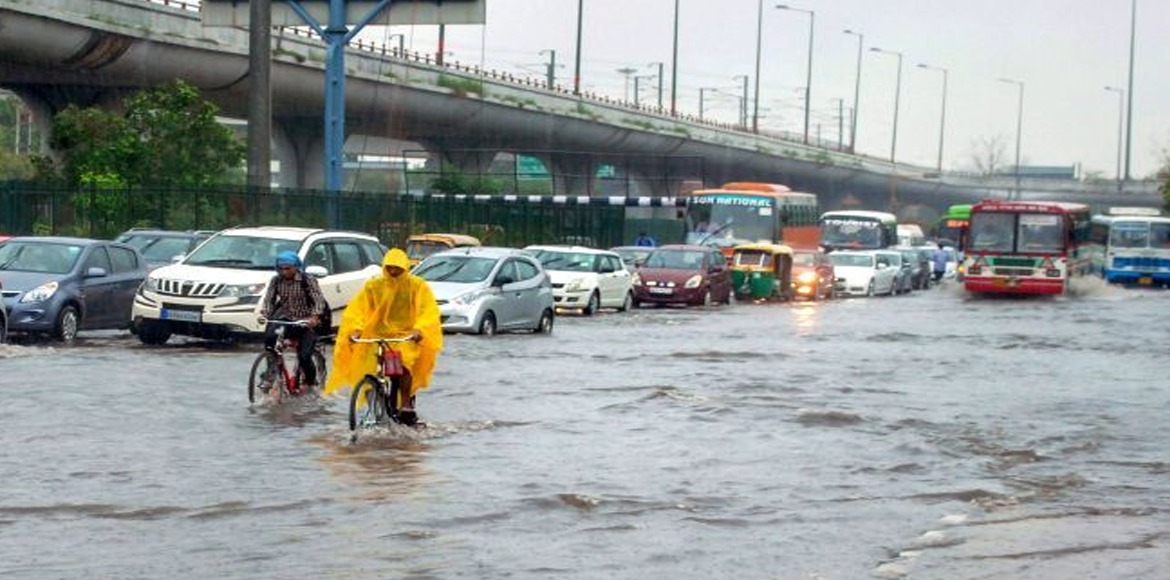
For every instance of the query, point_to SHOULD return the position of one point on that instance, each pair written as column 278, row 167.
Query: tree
column 168, row 137
column 988, row 153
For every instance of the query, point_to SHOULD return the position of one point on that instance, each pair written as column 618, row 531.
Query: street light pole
column 551, row 75
column 1129, row 94
column 638, row 88
column 627, row 72
column 808, row 69
column 674, row 65
column 942, row 124
column 577, row 67
column 759, row 43
column 897, row 97
column 660, row 80
column 743, row 100
column 1019, row 127
column 1120, row 130
column 856, row 92
column 702, row 91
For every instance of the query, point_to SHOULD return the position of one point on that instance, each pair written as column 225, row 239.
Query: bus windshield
column 851, row 232
column 728, row 220
column 1129, row 235
column 1022, row 232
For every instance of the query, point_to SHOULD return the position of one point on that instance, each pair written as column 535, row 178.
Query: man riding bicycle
column 294, row 295
column 392, row 305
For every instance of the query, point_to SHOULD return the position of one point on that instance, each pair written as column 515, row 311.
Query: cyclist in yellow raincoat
column 392, row 305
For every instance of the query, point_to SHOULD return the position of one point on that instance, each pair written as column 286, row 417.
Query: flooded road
column 923, row 436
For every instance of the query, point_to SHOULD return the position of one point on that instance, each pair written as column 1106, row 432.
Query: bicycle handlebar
column 380, row 340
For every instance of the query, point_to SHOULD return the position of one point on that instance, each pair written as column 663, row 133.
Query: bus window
column 1041, row 233
column 992, row 232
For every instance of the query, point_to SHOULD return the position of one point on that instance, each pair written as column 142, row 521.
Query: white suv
column 215, row 291
column 586, row 279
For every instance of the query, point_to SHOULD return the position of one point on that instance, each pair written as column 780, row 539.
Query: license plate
column 662, row 290
column 182, row 315
column 1145, row 280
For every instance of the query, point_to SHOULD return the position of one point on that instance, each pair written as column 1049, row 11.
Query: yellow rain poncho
column 388, row 307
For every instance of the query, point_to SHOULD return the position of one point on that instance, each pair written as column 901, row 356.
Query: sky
column 1065, row 52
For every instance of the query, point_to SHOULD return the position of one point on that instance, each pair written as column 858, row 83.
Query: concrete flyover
column 86, row 52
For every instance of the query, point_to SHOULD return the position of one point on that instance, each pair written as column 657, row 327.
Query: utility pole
column 577, row 67
column 442, row 43
column 1129, row 93
column 259, row 95
column 674, row 65
column 551, row 74
column 660, row 66
column 627, row 72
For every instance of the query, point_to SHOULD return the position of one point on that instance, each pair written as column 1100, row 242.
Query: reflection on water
column 933, row 435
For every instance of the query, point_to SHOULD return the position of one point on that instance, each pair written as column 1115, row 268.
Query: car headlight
column 575, row 285
column 40, row 293
column 694, row 281
column 150, row 284
column 468, row 298
column 637, row 280
column 807, row 277
column 241, row 290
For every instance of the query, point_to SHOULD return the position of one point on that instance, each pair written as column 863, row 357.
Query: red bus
column 1025, row 247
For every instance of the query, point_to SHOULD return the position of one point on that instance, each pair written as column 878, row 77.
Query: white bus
column 858, row 230
column 1131, row 249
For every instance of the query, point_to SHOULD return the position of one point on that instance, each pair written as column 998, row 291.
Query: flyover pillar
column 300, row 144
column 572, row 173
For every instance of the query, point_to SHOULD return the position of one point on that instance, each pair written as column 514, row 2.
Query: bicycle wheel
column 264, row 375
column 322, row 373
column 367, row 404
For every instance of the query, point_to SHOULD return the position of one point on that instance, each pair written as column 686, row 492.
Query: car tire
column 545, row 325
column 67, row 322
column 706, row 302
column 153, row 332
column 593, row 305
column 628, row 303
column 487, row 324
column 3, row 325
column 869, row 289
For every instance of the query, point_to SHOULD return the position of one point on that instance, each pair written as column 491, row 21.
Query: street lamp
column 897, row 97
column 743, row 99
column 627, row 72
column 1120, row 124
column 1019, row 126
column 551, row 75
column 660, row 65
column 674, row 65
column 808, row 78
column 759, row 42
column 942, row 124
column 856, row 91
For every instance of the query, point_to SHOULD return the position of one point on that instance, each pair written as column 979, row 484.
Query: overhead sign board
column 400, row 12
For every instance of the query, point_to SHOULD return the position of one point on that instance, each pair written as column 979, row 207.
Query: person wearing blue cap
column 294, row 295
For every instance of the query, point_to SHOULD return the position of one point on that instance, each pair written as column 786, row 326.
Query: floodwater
column 924, row 436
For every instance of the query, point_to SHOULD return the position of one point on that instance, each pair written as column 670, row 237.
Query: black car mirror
column 502, row 281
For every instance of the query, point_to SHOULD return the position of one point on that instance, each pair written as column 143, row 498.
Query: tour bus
column 952, row 226
column 1131, row 246
column 748, row 213
column 910, row 235
column 858, row 230
column 1026, row 247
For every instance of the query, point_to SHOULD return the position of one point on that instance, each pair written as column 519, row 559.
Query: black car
column 161, row 247
column 58, row 285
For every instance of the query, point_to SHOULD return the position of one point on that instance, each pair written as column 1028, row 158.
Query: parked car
column 919, row 264
column 903, row 275
column 586, row 279
column 483, row 290
column 812, row 274
column 632, row 256
column 861, row 273
column 215, row 291
column 162, row 247
column 58, row 286
column 683, row 274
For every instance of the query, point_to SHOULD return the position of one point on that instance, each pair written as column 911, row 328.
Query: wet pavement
column 925, row 436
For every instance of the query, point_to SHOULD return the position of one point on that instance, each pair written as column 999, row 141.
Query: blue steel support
column 336, row 36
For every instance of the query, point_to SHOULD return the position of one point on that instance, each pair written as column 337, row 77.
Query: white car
column 586, row 279
column 215, row 291
column 862, row 273
column 483, row 290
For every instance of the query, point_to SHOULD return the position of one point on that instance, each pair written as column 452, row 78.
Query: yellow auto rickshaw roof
column 769, row 248
column 453, row 240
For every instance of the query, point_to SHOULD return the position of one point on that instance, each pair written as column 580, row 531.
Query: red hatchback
column 812, row 274
column 683, row 274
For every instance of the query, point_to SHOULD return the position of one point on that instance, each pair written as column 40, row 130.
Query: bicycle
column 375, row 398
column 271, row 370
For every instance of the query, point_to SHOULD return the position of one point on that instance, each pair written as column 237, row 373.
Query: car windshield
column 632, row 256
column 675, row 259
column 460, row 269
column 804, row 259
column 44, row 257
column 863, row 260
column 157, row 248
column 240, row 252
column 565, row 261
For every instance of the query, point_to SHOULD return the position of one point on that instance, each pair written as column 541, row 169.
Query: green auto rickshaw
column 762, row 272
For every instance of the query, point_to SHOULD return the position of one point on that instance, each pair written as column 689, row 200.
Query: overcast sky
column 1064, row 51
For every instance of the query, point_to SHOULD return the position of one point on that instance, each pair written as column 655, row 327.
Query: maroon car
column 812, row 274
column 683, row 274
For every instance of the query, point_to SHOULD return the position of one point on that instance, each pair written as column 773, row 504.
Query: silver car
column 484, row 290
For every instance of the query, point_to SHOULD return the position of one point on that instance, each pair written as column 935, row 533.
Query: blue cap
column 288, row 258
